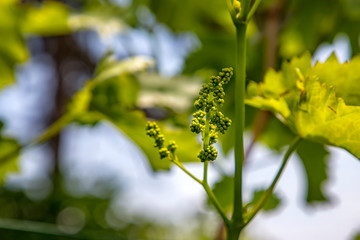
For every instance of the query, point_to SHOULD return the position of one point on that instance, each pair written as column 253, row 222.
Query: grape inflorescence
column 207, row 120
column 211, row 97
column 153, row 131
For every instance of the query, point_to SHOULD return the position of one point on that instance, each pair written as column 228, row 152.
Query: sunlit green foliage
column 310, row 103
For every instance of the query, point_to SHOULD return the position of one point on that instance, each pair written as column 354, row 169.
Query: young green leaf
column 316, row 171
column 223, row 190
column 271, row 204
column 317, row 111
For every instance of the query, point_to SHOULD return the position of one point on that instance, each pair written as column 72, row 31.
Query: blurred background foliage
column 123, row 62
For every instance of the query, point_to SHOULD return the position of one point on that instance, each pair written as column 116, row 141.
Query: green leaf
column 314, row 159
column 113, row 89
column 317, row 112
column 344, row 77
column 274, row 105
column 47, row 19
column 9, row 154
column 223, row 190
column 271, row 204
column 276, row 135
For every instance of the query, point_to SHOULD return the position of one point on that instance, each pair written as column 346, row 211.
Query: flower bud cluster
column 211, row 97
column 221, row 122
column 214, row 89
column 198, row 122
column 153, row 131
column 209, row 153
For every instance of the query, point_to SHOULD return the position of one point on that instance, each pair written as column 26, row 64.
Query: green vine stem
column 241, row 17
column 270, row 190
column 237, row 217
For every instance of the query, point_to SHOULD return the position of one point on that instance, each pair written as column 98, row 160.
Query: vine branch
column 237, row 217
column 207, row 189
column 270, row 190
column 177, row 163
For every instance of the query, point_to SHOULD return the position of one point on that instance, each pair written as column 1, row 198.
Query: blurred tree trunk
column 67, row 56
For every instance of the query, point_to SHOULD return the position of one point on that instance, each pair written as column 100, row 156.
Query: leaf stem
column 177, row 163
column 253, row 10
column 270, row 190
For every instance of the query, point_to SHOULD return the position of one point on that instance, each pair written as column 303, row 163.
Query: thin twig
column 177, row 163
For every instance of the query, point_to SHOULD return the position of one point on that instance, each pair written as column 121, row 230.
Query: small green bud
column 159, row 141
column 209, row 154
column 172, row 146
column 164, row 152
column 153, row 130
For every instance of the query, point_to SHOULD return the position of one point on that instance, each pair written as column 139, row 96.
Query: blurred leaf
column 133, row 126
column 16, row 20
column 223, row 190
column 330, row 16
column 199, row 16
column 6, row 73
column 210, row 55
column 176, row 93
column 112, row 96
column 105, row 25
column 12, row 45
column 46, row 19
column 271, row 204
column 317, row 113
column 313, row 157
column 187, row 142
column 276, row 135
column 109, row 67
column 9, row 154
column 116, row 94
column 357, row 237
column 227, row 140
